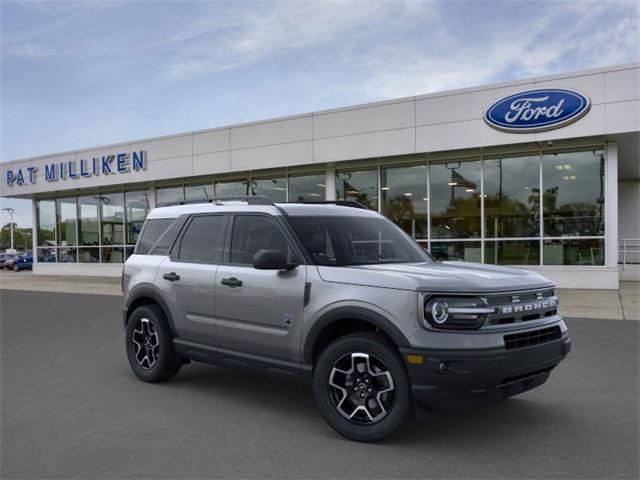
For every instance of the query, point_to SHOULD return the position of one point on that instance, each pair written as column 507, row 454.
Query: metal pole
column 11, row 211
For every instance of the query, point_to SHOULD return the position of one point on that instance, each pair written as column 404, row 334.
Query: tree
column 21, row 237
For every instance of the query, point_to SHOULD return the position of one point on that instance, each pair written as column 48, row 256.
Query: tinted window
column 252, row 233
column 204, row 239
column 151, row 233
column 344, row 241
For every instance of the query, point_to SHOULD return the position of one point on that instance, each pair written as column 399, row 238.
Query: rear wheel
column 16, row 268
column 149, row 344
column 362, row 387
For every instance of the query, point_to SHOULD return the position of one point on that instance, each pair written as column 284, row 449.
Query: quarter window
column 203, row 240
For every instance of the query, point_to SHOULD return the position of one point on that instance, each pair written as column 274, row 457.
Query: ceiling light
column 321, row 185
column 452, row 184
column 469, row 190
column 386, row 188
column 567, row 166
column 408, row 194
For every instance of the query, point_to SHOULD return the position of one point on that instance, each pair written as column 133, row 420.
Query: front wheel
column 361, row 387
column 16, row 268
column 149, row 345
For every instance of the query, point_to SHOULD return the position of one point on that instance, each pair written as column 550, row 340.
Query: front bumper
column 457, row 379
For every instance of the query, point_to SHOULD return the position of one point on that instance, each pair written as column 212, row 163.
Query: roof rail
column 248, row 199
column 341, row 203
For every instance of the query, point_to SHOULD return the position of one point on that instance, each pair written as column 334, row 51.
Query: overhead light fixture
column 321, row 185
column 425, row 198
column 567, row 166
column 452, row 184
column 386, row 188
column 469, row 190
column 408, row 194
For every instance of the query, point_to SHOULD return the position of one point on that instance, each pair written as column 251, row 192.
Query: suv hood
column 436, row 277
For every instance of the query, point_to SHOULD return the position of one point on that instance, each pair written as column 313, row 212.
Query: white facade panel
column 378, row 144
column 211, row 141
column 210, row 163
column 623, row 116
column 623, row 85
column 367, row 119
column 167, row 168
column 271, row 133
column 591, row 85
column 593, row 123
column 287, row 154
column 178, row 146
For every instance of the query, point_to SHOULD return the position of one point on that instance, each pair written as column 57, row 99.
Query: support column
column 34, row 231
column 611, row 205
column 330, row 182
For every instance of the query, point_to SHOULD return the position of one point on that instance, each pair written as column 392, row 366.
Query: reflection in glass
column 89, row 255
column 573, row 199
column 169, row 196
column 455, row 200
column 194, row 193
column 112, row 218
column 457, row 251
column 67, row 254
column 512, row 197
column 136, row 209
column 112, row 255
column 361, row 187
column 67, row 220
column 232, row 189
column 574, row 252
column 88, row 220
column 46, row 255
column 273, row 188
column 307, row 188
column 512, row 252
column 46, row 218
column 404, row 198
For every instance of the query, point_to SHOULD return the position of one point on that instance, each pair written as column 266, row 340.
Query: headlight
column 456, row 312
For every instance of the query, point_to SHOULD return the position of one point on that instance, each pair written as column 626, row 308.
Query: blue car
column 23, row 262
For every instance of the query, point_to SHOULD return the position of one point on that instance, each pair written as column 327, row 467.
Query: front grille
column 534, row 337
column 519, row 307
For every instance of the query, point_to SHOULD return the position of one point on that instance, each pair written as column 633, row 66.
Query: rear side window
column 203, row 241
column 151, row 232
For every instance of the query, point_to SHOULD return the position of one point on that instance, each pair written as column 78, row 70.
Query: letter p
column 10, row 178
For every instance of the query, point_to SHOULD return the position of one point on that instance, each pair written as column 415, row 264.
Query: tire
column 149, row 345
column 16, row 268
column 362, row 404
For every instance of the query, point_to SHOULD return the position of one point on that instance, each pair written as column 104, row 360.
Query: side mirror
column 272, row 260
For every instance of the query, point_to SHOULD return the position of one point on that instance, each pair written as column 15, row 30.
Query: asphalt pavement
column 71, row 408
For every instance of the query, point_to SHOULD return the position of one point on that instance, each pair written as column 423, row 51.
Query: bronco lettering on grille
column 528, row 307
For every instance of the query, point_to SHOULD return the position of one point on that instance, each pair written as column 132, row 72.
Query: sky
column 86, row 73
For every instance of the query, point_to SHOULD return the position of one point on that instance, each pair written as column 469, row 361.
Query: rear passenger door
column 187, row 278
column 259, row 312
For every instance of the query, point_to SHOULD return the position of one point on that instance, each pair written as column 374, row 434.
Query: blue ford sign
column 537, row 110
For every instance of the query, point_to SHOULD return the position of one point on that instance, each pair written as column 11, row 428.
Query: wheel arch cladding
column 147, row 294
column 345, row 320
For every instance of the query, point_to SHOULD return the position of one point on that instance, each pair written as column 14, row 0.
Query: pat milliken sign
column 537, row 110
column 105, row 165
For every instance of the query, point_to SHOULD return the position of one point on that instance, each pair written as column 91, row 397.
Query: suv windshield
column 350, row 240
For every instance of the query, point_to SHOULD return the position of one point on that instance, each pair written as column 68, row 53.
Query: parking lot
column 71, row 408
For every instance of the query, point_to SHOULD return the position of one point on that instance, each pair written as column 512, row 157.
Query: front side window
column 352, row 240
column 252, row 233
column 203, row 241
column 151, row 232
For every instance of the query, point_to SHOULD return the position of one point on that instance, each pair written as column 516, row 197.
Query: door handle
column 231, row 282
column 172, row 277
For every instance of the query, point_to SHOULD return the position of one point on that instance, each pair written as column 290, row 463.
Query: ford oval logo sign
column 537, row 110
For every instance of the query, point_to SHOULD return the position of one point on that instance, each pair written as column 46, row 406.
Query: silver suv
column 337, row 295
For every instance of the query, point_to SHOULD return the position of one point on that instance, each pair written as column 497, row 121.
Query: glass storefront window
column 307, row 188
column 169, row 196
column 273, row 188
column 457, row 251
column 512, row 252
column 361, row 186
column 573, row 198
column 404, row 198
column 512, row 197
column 194, row 193
column 136, row 210
column 232, row 189
column 67, row 254
column 88, row 227
column 112, row 255
column 46, row 255
column 67, row 221
column 455, row 200
column 46, row 218
column 112, row 217
column 89, row 255
column 574, row 252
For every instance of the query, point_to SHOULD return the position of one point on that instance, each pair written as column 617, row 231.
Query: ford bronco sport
column 340, row 296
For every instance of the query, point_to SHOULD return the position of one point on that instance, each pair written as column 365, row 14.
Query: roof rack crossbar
column 341, row 203
column 249, row 199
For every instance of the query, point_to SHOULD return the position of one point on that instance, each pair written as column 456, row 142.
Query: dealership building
column 541, row 173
